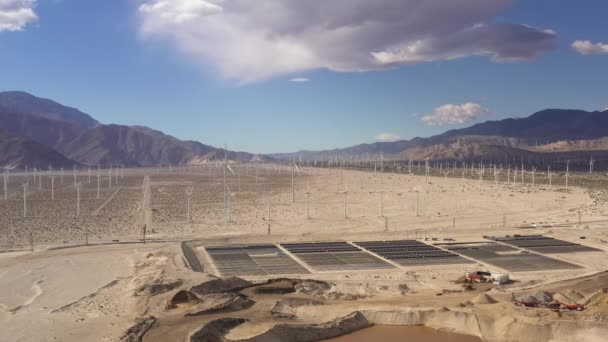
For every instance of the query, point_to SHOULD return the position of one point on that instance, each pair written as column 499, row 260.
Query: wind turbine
column 189, row 204
column 5, row 179
column 567, row 173
column 225, row 167
column 294, row 167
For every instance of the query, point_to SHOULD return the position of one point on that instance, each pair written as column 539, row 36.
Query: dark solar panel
column 253, row 260
column 513, row 261
column 544, row 244
column 335, row 256
column 411, row 252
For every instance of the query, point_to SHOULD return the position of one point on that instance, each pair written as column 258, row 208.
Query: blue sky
column 127, row 64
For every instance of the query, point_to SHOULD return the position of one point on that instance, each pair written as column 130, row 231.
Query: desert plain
column 121, row 255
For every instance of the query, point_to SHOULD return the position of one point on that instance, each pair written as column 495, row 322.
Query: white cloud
column 387, row 137
column 299, row 80
column 455, row 114
column 248, row 41
column 16, row 14
column 586, row 47
column 180, row 11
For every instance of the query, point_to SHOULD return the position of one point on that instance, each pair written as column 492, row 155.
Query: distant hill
column 548, row 125
column 115, row 144
column 71, row 133
column 22, row 102
column 50, row 132
column 509, row 138
column 18, row 152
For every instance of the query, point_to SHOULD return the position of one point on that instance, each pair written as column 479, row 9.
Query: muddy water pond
column 399, row 333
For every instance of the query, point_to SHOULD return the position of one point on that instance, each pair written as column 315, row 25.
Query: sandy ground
column 67, row 294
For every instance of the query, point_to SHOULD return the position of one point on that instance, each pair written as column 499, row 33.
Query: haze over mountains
column 56, row 130
column 547, row 131
column 41, row 132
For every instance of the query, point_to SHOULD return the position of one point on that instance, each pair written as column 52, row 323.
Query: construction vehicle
column 487, row 277
column 530, row 303
column 571, row 307
column 555, row 305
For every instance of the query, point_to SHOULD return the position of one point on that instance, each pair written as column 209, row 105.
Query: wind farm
column 303, row 171
column 368, row 229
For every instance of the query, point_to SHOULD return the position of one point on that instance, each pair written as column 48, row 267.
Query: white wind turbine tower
column 381, row 166
column 307, row 211
column 445, row 172
column 5, row 179
column 224, row 167
column 480, row 172
column 294, row 167
column 52, row 187
column 78, row 199
column 496, row 174
column 426, row 167
column 464, row 170
column 25, row 186
column 533, row 173
column 230, row 204
column 591, row 163
column 268, row 206
column 189, row 204
column 567, row 172
column 98, row 179
column 417, row 201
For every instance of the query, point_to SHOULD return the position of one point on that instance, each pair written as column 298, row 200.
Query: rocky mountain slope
column 544, row 132
column 79, row 137
column 22, row 102
column 18, row 152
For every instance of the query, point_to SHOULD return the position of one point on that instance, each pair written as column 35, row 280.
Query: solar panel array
column 412, row 253
column 335, row 256
column 545, row 244
column 253, row 260
column 508, row 258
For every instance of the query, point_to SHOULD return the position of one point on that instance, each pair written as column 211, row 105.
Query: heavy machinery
column 555, row 305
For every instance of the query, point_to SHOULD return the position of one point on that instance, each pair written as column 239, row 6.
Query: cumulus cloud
column 586, row 47
column 299, row 80
column 16, row 14
column 255, row 40
column 387, row 137
column 450, row 114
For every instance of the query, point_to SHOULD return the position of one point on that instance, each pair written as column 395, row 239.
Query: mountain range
column 56, row 130
column 42, row 132
column 549, row 131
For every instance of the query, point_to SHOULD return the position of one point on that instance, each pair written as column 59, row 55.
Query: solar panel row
column 513, row 261
column 412, row 252
column 544, row 244
column 335, row 256
column 253, row 260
